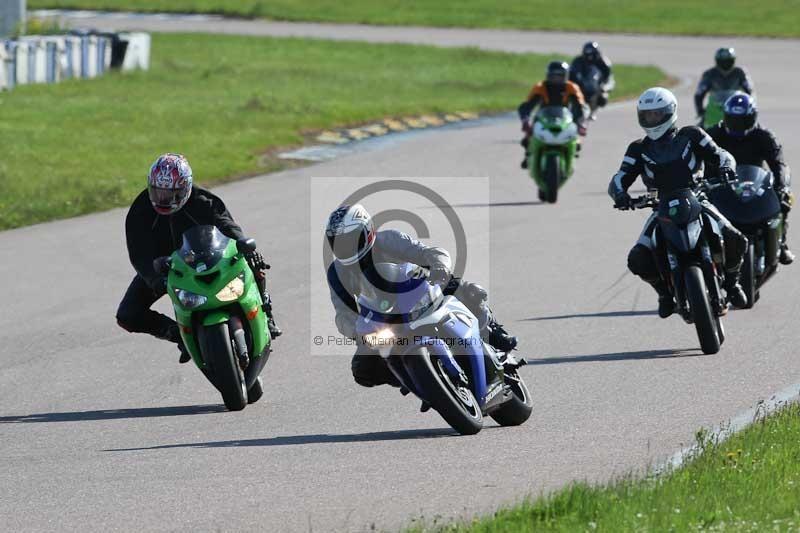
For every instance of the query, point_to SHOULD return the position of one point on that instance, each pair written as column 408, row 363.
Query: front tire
column 218, row 353
column 453, row 401
column 552, row 177
column 517, row 410
column 704, row 319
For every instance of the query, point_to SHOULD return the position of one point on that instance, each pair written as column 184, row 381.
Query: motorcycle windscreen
column 752, row 200
column 554, row 114
column 396, row 292
column 203, row 247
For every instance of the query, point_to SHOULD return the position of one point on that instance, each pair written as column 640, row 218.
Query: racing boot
column 499, row 337
column 272, row 326
column 666, row 303
column 736, row 295
column 172, row 334
column 786, row 257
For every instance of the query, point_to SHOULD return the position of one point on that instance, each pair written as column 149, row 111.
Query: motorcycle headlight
column 379, row 338
column 233, row 290
column 190, row 300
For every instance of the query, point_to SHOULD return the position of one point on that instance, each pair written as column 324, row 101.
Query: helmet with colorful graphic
column 169, row 183
column 725, row 58
column 740, row 114
column 351, row 233
column 658, row 111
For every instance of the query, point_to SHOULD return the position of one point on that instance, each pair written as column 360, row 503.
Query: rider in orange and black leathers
column 556, row 89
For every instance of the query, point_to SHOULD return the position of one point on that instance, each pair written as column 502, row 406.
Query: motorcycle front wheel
column 453, row 401
column 216, row 345
column 552, row 177
column 704, row 319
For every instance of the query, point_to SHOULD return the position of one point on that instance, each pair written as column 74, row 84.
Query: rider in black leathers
column 154, row 227
column 721, row 77
column 581, row 67
column 740, row 134
column 669, row 158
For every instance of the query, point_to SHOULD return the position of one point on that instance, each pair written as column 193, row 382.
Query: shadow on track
column 113, row 414
column 323, row 438
column 501, row 204
column 620, row 356
column 607, row 314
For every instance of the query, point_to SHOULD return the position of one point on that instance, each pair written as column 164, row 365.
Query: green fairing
column 183, row 276
column 539, row 150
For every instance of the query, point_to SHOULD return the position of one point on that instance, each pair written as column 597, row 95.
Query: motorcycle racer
column 669, row 158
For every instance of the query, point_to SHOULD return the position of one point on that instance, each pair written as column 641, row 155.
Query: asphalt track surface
column 103, row 430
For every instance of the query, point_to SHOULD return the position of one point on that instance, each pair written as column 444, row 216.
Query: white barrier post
column 12, row 15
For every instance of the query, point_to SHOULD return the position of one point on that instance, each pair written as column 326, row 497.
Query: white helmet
column 658, row 111
column 350, row 232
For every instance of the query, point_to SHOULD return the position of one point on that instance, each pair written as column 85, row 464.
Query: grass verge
column 750, row 482
column 778, row 18
column 225, row 101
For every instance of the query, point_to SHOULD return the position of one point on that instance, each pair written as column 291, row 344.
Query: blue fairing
column 472, row 347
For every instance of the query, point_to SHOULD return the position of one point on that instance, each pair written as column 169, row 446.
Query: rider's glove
column 727, row 174
column 787, row 199
column 622, row 200
column 526, row 127
column 256, row 261
column 439, row 276
column 582, row 130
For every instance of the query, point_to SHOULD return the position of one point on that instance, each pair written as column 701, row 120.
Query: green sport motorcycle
column 219, row 311
column 715, row 109
column 551, row 151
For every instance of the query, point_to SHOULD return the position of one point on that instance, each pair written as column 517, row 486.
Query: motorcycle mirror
column 162, row 265
column 246, row 246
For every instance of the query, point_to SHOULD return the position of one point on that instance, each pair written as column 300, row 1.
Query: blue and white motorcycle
column 431, row 343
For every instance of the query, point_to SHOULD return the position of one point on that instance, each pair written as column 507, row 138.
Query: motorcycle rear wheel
column 216, row 345
column 704, row 319
column 517, row 410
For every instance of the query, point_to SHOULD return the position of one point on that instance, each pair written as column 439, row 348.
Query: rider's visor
column 167, row 198
column 650, row 118
column 739, row 123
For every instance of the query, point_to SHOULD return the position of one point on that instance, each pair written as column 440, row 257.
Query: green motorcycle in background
column 551, row 151
column 219, row 311
column 715, row 108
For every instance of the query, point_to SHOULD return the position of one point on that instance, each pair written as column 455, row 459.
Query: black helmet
column 591, row 50
column 557, row 72
column 725, row 58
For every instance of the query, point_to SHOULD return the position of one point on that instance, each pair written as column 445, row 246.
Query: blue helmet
column 740, row 114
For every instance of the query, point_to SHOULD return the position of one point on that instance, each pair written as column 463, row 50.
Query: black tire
column 748, row 276
column 255, row 392
column 552, row 177
column 704, row 318
column 455, row 403
column 217, row 351
column 518, row 409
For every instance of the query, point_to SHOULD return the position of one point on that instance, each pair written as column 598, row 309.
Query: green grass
column 750, row 482
column 708, row 17
column 225, row 102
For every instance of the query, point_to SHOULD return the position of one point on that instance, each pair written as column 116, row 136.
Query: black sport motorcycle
column 689, row 252
column 750, row 203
